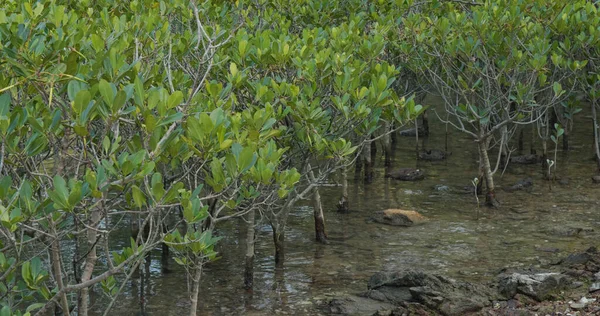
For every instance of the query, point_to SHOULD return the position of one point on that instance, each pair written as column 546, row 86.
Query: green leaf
column 5, row 311
column 82, row 99
column 158, row 190
column 119, row 101
column 175, row 99
column 106, row 91
column 247, row 159
column 4, row 104
column 138, row 96
column 557, row 88
column 138, row 196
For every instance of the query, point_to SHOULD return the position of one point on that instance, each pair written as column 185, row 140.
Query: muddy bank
column 570, row 286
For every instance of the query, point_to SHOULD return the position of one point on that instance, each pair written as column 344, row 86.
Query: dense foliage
column 172, row 117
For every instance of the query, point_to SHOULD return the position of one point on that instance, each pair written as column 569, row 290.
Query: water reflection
column 527, row 231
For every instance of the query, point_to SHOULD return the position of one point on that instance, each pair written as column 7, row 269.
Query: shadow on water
column 530, row 228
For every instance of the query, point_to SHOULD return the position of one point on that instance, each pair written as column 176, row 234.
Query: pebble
column 595, row 287
column 582, row 303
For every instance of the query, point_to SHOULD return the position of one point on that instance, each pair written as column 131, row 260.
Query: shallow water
column 452, row 242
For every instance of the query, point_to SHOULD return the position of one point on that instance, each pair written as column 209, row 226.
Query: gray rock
column 406, row 174
column 526, row 159
column 582, row 303
column 441, row 188
column 355, row 305
column 595, row 287
column 433, row 155
column 597, row 276
column 540, row 286
column 596, row 179
column 524, row 184
column 445, row 295
column 577, row 258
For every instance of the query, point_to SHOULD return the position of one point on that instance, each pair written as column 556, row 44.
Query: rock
column 597, row 276
column 565, row 231
column 595, row 287
column 523, row 184
column 539, row 286
column 582, row 303
column 596, row 179
column 441, row 188
column 398, row 217
column 412, row 132
column 576, row 285
column 407, row 174
column 355, row 305
column 445, row 295
column 433, row 155
column 564, row 182
column 526, row 159
column 547, row 249
column 577, row 259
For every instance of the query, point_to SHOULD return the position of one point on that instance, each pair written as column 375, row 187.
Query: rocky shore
column 570, row 286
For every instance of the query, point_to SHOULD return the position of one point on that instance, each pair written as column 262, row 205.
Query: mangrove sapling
column 475, row 182
column 549, row 163
column 558, row 132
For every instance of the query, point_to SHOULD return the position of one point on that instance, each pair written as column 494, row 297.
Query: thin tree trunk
column 490, row 197
column 278, row 240
column 425, row 120
column 249, row 267
column 57, row 270
column 596, row 140
column 387, row 146
column 373, row 151
column 164, row 258
column 196, row 287
column 368, row 163
column 520, row 143
column 393, row 136
column 90, row 261
column 344, row 204
column 533, row 137
column 358, row 164
column 417, row 138
column 320, row 234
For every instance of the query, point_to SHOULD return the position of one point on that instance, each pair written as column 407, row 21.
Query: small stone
column 596, row 179
column 576, row 285
column 597, row 276
column 577, row 305
column 441, row 188
column 399, row 217
column 595, row 287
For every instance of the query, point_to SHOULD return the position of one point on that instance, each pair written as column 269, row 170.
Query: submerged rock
column 445, row 295
column 433, row 155
column 539, row 286
column 406, row 174
column 398, row 217
column 526, row 159
column 523, row 184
